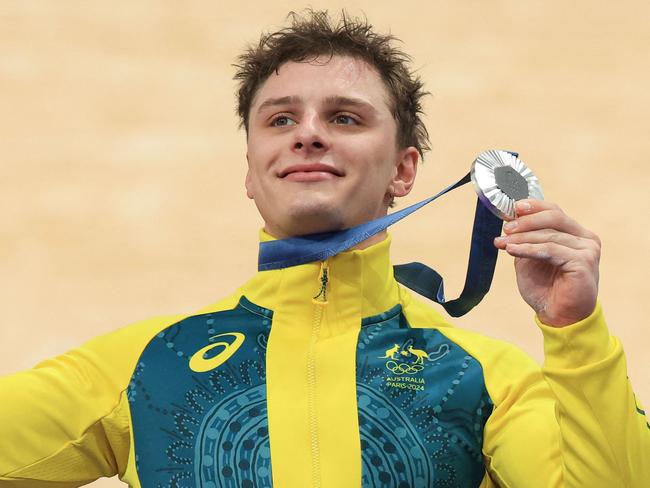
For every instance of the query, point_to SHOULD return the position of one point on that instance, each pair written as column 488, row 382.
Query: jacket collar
column 360, row 283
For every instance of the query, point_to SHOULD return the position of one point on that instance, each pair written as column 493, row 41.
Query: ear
column 248, row 181
column 405, row 170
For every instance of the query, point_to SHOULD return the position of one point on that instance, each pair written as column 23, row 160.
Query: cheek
column 257, row 161
column 262, row 154
column 380, row 167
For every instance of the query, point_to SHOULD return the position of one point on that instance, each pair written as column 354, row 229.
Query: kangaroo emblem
column 390, row 353
column 418, row 353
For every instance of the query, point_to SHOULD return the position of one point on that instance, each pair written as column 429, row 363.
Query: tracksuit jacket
column 331, row 375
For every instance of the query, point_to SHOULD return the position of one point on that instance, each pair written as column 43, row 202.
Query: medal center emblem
column 511, row 182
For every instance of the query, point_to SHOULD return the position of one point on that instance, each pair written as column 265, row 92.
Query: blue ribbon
column 418, row 277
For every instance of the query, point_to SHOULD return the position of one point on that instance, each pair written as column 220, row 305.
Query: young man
column 328, row 373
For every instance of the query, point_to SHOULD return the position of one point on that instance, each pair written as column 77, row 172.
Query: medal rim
column 506, row 158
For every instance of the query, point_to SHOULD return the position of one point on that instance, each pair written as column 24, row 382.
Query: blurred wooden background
column 121, row 190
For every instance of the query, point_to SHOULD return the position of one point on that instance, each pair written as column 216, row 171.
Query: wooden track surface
column 122, row 166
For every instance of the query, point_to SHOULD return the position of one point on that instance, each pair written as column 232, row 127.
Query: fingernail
column 512, row 225
column 500, row 239
column 523, row 206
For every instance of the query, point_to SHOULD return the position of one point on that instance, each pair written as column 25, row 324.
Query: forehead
column 325, row 77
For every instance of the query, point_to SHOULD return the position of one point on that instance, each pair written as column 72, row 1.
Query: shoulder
column 505, row 366
column 116, row 354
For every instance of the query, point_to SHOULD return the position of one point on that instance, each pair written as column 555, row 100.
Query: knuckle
column 551, row 206
column 591, row 257
column 597, row 241
column 596, row 256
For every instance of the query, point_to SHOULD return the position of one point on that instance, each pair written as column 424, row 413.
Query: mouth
column 310, row 172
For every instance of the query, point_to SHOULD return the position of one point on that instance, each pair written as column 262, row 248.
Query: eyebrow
column 331, row 100
column 350, row 102
column 272, row 102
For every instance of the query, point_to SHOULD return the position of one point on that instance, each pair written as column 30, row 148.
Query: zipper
column 320, row 302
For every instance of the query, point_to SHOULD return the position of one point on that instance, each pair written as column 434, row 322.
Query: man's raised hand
column 556, row 262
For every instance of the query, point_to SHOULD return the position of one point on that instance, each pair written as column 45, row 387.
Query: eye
column 343, row 119
column 282, row 121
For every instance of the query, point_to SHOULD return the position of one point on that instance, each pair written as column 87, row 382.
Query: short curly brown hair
column 314, row 34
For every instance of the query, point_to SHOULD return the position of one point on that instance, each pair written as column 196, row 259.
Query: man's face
column 322, row 152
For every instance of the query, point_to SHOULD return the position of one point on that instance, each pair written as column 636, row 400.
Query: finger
column 544, row 235
column 530, row 206
column 553, row 218
column 555, row 254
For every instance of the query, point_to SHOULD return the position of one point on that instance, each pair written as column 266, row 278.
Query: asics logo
column 200, row 364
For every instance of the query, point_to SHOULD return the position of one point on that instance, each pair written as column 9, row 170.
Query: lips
column 304, row 170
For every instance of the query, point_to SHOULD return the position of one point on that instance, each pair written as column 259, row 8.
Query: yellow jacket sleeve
column 605, row 435
column 63, row 423
column 573, row 424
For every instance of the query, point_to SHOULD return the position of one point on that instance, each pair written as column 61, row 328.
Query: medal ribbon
column 293, row 251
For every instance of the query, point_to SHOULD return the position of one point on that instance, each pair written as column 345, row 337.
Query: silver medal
column 500, row 179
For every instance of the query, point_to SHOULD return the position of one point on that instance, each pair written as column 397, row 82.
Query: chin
column 309, row 217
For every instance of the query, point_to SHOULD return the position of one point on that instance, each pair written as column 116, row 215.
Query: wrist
column 585, row 342
column 564, row 320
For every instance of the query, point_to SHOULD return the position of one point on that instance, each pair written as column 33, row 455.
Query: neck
column 371, row 241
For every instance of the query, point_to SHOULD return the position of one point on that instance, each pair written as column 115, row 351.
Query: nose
column 314, row 145
column 311, row 135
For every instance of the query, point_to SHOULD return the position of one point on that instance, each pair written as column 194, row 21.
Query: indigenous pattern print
column 198, row 402
column 422, row 407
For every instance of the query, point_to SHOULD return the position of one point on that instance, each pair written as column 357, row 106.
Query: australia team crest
column 406, row 363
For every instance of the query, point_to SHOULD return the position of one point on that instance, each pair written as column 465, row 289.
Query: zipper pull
column 324, row 279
